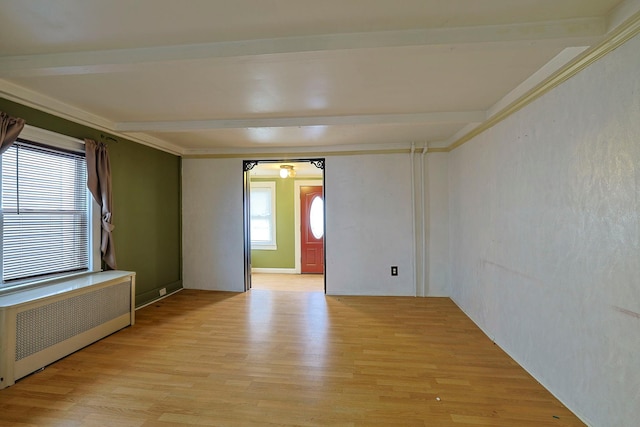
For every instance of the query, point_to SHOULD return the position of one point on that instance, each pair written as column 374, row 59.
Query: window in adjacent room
column 263, row 215
column 47, row 224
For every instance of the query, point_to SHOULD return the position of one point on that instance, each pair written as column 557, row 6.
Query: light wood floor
column 266, row 358
column 288, row 282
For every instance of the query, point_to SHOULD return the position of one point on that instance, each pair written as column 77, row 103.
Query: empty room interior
column 347, row 212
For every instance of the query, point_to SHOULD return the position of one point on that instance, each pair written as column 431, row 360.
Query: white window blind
column 45, row 224
column 263, row 216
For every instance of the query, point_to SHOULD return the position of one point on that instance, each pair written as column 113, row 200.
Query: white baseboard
column 274, row 270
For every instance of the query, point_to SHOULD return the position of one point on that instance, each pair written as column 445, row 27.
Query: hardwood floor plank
column 287, row 282
column 287, row 358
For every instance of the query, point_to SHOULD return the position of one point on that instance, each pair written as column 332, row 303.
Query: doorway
column 284, row 223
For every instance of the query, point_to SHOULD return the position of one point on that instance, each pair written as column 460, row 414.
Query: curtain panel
column 99, row 183
column 10, row 128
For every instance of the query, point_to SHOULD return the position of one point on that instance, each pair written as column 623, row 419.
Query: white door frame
column 296, row 219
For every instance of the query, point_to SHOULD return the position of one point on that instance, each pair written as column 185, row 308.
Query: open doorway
column 284, row 224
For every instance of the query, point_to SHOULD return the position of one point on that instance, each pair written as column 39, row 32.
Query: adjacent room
column 286, row 216
column 348, row 212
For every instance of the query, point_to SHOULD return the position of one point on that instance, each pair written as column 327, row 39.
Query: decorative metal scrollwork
column 319, row 163
column 249, row 164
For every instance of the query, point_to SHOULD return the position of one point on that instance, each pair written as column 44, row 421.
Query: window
column 316, row 217
column 262, row 205
column 47, row 226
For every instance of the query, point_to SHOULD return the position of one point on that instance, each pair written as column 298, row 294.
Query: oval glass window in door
column 316, row 217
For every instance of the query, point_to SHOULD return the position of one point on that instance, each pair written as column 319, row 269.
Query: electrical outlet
column 163, row 292
column 394, row 270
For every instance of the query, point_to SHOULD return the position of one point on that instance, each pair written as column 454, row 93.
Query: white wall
column 369, row 225
column 368, row 220
column 437, row 220
column 212, row 237
column 545, row 240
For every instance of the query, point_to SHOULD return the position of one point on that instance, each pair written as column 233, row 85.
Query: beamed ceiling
column 246, row 76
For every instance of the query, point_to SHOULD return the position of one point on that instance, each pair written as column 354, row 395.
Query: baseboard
column 274, row 270
column 153, row 295
column 158, row 299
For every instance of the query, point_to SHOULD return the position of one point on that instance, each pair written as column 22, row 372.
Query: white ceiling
column 213, row 76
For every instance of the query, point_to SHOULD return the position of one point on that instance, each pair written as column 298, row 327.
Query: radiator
column 41, row 325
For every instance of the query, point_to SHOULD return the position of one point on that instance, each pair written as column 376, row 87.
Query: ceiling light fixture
column 287, row 171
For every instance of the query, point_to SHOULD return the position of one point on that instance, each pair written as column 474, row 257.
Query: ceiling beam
column 270, row 122
column 564, row 32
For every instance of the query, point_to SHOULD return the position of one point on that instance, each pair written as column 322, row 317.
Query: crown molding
column 556, row 63
column 559, row 61
column 30, row 98
column 437, row 150
column 629, row 29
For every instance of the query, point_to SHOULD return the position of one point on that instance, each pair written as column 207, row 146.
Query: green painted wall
column 284, row 256
column 146, row 204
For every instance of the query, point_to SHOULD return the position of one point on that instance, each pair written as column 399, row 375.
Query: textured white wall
column 544, row 212
column 437, row 219
column 368, row 209
column 212, row 237
column 369, row 229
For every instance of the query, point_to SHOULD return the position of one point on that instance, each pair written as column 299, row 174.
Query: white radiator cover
column 41, row 325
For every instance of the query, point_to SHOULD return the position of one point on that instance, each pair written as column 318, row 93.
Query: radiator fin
column 41, row 327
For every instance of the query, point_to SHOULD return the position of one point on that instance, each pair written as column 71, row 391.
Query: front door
column 312, row 230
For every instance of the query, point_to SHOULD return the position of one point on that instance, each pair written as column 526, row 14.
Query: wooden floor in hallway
column 267, row 358
column 288, row 282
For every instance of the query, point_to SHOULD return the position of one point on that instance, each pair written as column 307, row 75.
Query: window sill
column 16, row 287
column 256, row 247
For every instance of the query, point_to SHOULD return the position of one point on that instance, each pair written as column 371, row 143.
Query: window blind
column 262, row 224
column 262, row 209
column 44, row 212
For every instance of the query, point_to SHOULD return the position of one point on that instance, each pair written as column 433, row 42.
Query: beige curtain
column 10, row 128
column 99, row 183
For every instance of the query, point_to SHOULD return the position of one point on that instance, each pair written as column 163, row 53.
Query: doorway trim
column 247, row 165
column 296, row 219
